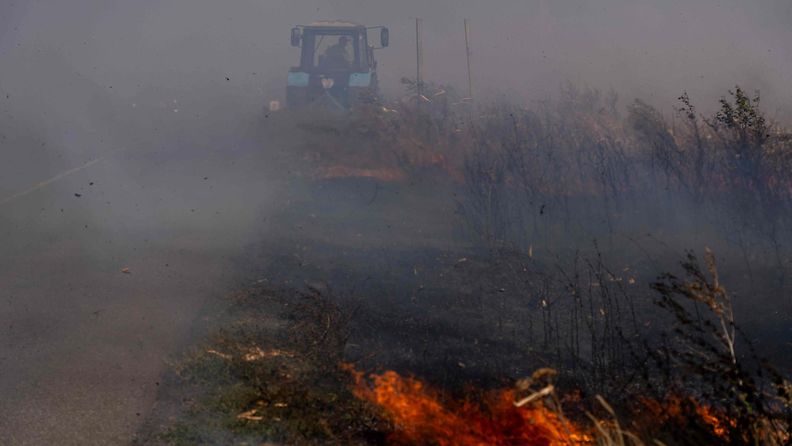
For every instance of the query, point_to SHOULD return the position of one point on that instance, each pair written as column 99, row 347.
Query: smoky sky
column 651, row 49
column 133, row 86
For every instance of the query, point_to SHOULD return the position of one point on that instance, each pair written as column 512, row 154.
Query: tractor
column 337, row 67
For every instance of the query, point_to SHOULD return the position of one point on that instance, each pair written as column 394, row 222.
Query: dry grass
column 262, row 380
column 532, row 186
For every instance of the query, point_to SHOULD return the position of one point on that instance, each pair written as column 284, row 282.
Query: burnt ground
column 111, row 272
column 90, row 352
column 419, row 298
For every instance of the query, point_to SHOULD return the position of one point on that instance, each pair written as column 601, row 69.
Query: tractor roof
column 334, row 24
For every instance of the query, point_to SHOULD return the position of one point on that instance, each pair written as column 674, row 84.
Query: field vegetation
column 582, row 244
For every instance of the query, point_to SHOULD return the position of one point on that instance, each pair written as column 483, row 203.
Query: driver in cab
column 337, row 56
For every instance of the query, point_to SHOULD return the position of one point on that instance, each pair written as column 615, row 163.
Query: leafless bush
column 703, row 358
column 536, row 174
column 574, row 170
column 735, row 163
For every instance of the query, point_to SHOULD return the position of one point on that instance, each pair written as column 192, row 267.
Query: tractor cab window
column 333, row 51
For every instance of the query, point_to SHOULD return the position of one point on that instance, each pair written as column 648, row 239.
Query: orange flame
column 339, row 171
column 718, row 425
column 673, row 409
column 420, row 418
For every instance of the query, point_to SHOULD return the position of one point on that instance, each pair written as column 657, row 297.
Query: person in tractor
column 337, row 56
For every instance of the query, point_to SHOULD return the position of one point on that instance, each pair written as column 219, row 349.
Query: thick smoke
column 645, row 49
column 70, row 68
column 104, row 270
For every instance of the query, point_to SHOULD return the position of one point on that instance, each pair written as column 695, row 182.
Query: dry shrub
column 702, row 358
column 258, row 380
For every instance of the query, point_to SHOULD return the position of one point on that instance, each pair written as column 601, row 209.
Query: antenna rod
column 467, row 49
column 419, row 61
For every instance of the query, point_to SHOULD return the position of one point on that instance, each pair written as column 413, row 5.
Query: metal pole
column 467, row 49
column 419, row 61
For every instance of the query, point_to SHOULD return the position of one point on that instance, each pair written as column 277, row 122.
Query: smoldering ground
column 106, row 270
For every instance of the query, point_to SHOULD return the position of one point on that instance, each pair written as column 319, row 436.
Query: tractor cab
column 337, row 66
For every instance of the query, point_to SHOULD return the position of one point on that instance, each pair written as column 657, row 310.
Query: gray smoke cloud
column 163, row 93
column 651, row 49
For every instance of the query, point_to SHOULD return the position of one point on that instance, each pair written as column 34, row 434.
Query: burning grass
column 421, row 418
column 287, row 382
column 421, row 415
column 527, row 184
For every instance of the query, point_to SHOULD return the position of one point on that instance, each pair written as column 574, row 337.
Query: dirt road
column 103, row 274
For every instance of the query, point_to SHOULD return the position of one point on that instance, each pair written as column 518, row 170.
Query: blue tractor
column 337, row 66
